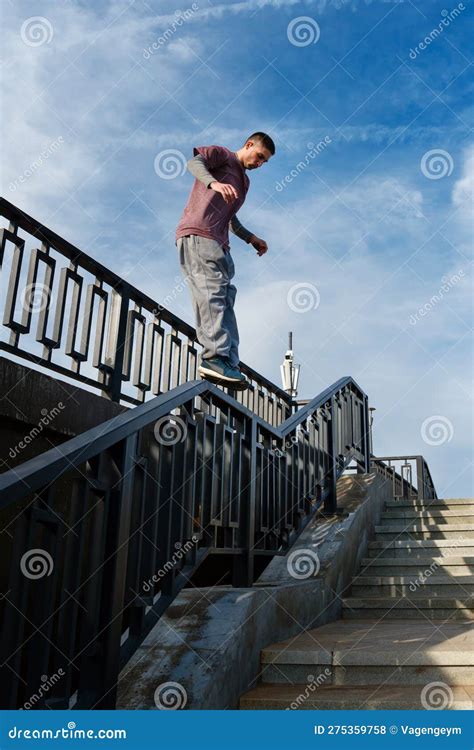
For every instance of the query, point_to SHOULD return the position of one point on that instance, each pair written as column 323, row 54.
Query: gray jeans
column 208, row 269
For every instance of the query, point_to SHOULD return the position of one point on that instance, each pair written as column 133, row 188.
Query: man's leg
column 230, row 321
column 206, row 271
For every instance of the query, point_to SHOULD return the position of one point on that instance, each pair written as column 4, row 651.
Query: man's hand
column 260, row 245
column 228, row 192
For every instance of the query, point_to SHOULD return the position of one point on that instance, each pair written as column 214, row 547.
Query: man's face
column 255, row 155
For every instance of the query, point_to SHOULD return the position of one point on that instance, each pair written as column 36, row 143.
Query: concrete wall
column 210, row 639
column 38, row 412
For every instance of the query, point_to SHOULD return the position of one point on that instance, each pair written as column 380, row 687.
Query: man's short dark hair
column 264, row 140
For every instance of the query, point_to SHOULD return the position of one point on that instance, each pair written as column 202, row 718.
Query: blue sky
column 373, row 224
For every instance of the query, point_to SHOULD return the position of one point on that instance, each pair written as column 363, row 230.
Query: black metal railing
column 102, row 532
column 71, row 315
column 413, row 479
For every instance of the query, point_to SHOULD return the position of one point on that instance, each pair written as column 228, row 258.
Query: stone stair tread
column 434, row 513
column 424, row 527
column 429, row 580
column 430, row 503
column 268, row 696
column 421, row 543
column 422, row 601
column 377, row 642
column 410, row 561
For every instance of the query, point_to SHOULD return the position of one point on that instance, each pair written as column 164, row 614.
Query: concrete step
column 420, row 548
column 450, row 608
column 361, row 652
column 350, row 698
column 440, row 504
column 424, row 531
column 428, row 585
column 456, row 567
column 428, row 516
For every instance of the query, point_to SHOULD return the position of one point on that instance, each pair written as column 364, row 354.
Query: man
column 202, row 239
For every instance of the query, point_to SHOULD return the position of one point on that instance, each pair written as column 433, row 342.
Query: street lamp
column 371, row 410
column 289, row 371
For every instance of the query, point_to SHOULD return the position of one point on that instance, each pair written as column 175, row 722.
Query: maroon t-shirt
column 206, row 212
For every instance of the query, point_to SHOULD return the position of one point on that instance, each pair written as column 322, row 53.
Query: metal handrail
column 121, row 336
column 422, row 488
column 109, row 509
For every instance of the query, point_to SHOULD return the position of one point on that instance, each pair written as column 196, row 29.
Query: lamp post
column 289, row 371
column 371, row 421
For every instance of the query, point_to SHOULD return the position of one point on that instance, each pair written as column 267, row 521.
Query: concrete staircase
column 405, row 640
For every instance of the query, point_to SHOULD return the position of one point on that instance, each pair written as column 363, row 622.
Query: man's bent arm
column 197, row 167
column 238, row 229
